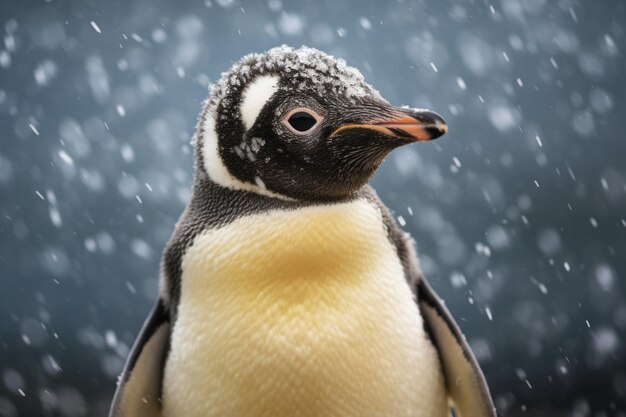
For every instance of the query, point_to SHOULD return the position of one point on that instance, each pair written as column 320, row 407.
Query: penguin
column 287, row 287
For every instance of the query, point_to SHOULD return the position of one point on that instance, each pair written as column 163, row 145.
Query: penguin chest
column 300, row 313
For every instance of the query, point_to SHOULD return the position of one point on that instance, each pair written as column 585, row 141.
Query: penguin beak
column 407, row 125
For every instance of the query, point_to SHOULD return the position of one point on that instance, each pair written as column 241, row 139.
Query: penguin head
column 300, row 124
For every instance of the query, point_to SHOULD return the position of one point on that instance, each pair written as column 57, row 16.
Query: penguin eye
column 301, row 121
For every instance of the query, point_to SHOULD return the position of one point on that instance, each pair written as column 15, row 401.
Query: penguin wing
column 465, row 381
column 138, row 392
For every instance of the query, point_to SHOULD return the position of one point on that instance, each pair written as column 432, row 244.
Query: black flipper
column 138, row 393
column 465, row 381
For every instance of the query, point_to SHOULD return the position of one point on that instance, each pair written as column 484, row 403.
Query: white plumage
column 300, row 313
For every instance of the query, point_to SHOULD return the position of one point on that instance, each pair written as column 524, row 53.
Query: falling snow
column 517, row 212
column 95, row 27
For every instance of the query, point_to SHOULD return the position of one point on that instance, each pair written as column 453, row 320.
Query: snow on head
column 303, row 67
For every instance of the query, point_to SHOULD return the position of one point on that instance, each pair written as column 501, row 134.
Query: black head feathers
column 300, row 124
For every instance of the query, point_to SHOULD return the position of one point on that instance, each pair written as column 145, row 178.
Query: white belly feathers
column 300, row 313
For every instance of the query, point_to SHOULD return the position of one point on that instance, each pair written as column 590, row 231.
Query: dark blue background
column 519, row 212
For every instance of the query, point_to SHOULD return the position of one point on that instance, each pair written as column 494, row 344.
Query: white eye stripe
column 256, row 94
column 215, row 167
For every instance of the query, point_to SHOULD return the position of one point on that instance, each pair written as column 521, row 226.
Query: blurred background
column 519, row 212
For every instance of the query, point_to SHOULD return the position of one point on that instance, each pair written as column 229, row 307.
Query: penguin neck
column 227, row 204
column 298, row 241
